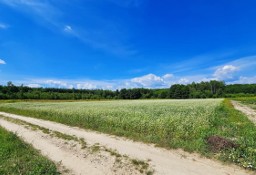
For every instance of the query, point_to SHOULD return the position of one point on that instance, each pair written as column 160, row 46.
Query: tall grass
column 16, row 157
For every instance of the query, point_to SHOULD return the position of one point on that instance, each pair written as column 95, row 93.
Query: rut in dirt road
column 163, row 161
column 72, row 156
column 249, row 112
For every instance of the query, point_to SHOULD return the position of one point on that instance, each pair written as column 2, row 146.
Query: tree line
column 211, row 89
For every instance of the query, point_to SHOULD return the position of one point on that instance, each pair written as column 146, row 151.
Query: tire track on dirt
column 249, row 112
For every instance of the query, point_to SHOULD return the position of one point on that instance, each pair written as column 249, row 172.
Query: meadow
column 182, row 124
column 18, row 157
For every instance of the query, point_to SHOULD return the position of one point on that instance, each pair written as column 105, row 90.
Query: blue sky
column 113, row 44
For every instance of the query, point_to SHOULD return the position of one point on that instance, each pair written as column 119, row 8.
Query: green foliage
column 19, row 158
column 179, row 91
column 241, row 89
column 211, row 89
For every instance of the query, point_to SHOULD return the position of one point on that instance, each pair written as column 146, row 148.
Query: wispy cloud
column 102, row 34
column 2, row 61
column 245, row 62
column 3, row 26
column 128, row 3
column 106, row 37
column 198, row 62
column 68, row 29
column 36, row 9
column 244, row 80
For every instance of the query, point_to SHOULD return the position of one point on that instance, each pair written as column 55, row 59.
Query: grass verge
column 235, row 126
column 18, row 157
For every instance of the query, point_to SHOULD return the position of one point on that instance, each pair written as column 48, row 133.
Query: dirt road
column 251, row 113
column 78, row 161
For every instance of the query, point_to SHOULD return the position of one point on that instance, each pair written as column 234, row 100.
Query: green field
column 182, row 124
column 16, row 157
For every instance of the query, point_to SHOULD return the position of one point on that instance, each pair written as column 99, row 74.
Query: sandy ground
column 173, row 162
column 251, row 113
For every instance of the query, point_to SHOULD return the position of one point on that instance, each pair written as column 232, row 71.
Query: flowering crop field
column 157, row 120
column 182, row 124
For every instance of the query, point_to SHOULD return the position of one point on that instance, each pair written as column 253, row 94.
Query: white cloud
column 85, row 86
column 68, row 29
column 183, row 81
column 167, row 76
column 78, row 84
column 33, row 85
column 57, row 84
column 2, row 61
column 225, row 72
column 152, row 81
column 148, row 80
column 90, row 84
column 244, row 80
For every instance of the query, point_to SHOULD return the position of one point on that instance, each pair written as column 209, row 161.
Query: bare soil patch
column 218, row 143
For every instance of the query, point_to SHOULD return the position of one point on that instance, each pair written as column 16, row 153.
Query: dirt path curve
column 175, row 162
column 251, row 113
